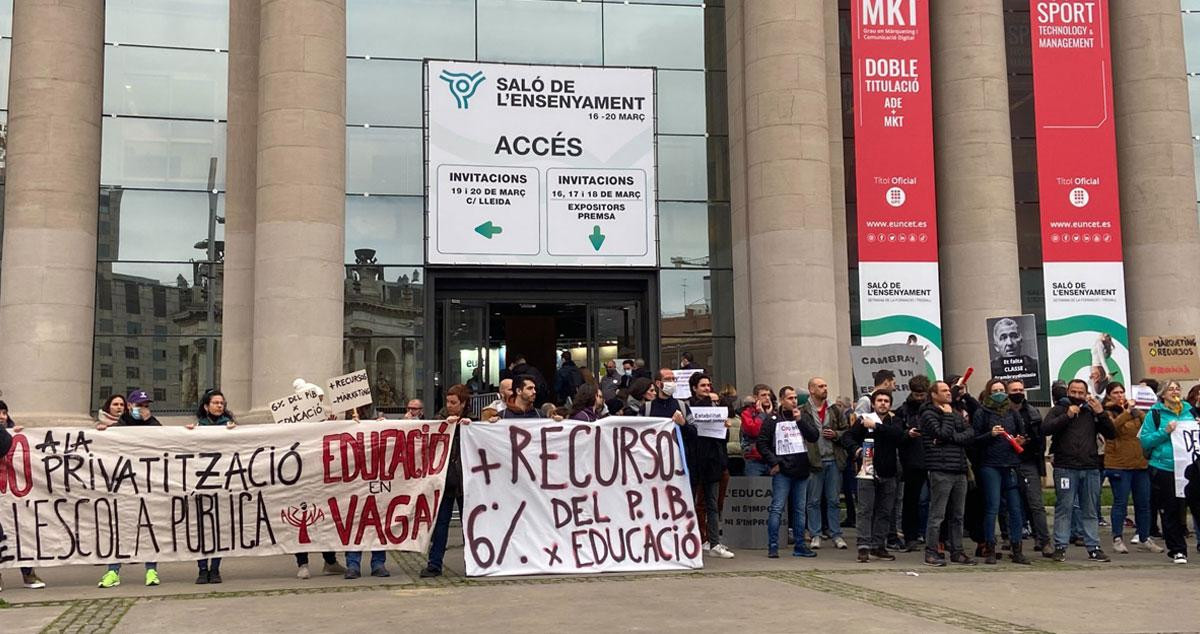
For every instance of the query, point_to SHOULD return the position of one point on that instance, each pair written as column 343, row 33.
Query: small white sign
column 683, row 389
column 301, row 407
column 788, row 440
column 710, row 421
column 1143, row 397
column 349, row 391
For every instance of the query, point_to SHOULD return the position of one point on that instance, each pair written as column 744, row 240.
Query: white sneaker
column 721, row 551
column 303, row 573
column 707, row 547
column 1179, row 558
column 1135, row 540
column 840, row 543
column 1149, row 546
column 1119, row 546
column 816, row 542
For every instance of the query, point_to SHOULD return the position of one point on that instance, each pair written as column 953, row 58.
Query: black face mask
column 1017, row 398
column 1076, row 401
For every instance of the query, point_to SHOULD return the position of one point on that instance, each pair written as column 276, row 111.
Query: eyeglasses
column 414, row 409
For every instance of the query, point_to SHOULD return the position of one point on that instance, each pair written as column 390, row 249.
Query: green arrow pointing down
column 597, row 238
column 488, row 230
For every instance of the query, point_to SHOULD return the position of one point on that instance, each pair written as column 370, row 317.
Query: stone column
column 1157, row 171
column 844, row 381
column 300, row 224
column 977, row 223
column 48, row 284
column 789, row 236
column 241, row 178
column 743, row 326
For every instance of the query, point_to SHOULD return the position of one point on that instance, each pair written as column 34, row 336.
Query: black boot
column 989, row 553
column 1017, row 556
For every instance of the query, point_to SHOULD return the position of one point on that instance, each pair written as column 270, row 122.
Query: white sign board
column 349, row 391
column 540, row 165
column 304, row 406
column 710, row 421
column 788, row 440
column 1143, row 396
column 1185, row 445
column 531, row 507
column 683, row 389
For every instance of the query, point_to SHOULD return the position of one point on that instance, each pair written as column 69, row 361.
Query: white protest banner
column 788, row 440
column 683, row 389
column 137, row 494
column 304, row 406
column 710, row 421
column 349, row 391
column 1143, row 396
column 1185, row 441
column 572, row 497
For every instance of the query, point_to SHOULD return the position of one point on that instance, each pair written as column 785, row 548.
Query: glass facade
column 1191, row 45
column 386, row 324
column 158, row 298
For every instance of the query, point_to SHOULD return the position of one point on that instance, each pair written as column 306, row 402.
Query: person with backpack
column 1155, row 436
column 567, row 379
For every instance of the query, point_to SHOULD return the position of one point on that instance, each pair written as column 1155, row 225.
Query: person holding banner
column 586, row 404
column 29, row 578
column 522, row 404
column 212, row 412
column 136, row 414
column 707, row 461
column 780, row 442
column 881, row 431
column 1000, row 427
column 1073, row 426
column 455, row 413
column 1155, row 436
column 1127, row 470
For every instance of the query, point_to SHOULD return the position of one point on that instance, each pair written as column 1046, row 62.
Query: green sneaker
column 110, row 580
column 151, row 577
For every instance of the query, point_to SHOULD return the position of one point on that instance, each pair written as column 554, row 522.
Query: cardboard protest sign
column 304, row 406
column 1185, row 442
column 136, row 494
column 349, row 391
column 683, row 389
column 572, row 497
column 710, row 421
column 904, row 360
column 1173, row 357
column 1012, row 349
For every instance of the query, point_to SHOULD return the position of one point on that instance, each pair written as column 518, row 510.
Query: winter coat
column 839, row 422
column 707, row 458
column 792, row 465
column 1125, row 451
column 1035, row 444
column 1073, row 440
column 912, row 450
column 996, row 451
column 946, row 436
column 1156, row 440
column 887, row 436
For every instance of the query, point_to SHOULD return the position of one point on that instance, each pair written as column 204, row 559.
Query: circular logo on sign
column 1080, row 197
column 896, row 196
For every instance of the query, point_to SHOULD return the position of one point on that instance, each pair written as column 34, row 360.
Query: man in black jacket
column 946, row 435
column 912, row 462
column 877, row 485
column 1073, row 426
column 782, row 446
column 1033, row 466
column 707, row 459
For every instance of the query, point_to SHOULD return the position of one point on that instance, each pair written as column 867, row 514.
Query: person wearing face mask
column 658, row 400
column 1032, row 466
column 131, row 411
column 1127, row 470
column 1072, row 426
column 999, row 426
column 627, row 377
column 1155, row 437
column 610, row 382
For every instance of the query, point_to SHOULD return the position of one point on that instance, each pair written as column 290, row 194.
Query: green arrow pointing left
column 597, row 238
column 488, row 229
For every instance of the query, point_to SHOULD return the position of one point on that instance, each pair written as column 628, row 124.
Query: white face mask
column 628, row 371
column 668, row 389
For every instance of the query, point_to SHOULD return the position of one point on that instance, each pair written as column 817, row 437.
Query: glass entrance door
column 614, row 334
column 465, row 344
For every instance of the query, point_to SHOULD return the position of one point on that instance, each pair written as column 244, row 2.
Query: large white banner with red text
column 899, row 289
column 574, row 497
column 1086, row 326
column 138, row 494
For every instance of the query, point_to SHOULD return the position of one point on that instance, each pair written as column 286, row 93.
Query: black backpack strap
column 1157, row 414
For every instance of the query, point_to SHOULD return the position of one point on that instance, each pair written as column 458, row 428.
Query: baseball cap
column 137, row 397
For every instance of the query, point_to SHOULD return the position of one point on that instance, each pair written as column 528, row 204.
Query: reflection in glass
column 714, row 355
column 178, row 23
column 155, row 225
column 164, row 82
column 523, row 31
column 682, row 169
column 383, row 92
column 393, row 227
column 644, row 35
column 411, row 28
column 681, row 99
column 5, row 54
column 161, row 154
column 174, row 370
column 395, row 369
column 384, row 161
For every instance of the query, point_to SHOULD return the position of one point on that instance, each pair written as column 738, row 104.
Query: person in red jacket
column 752, row 422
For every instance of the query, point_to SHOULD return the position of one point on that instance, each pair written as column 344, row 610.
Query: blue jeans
column 354, row 559
column 1124, row 482
column 828, row 481
column 786, row 490
column 150, row 565
column 755, row 468
column 441, row 528
column 213, row 564
column 1001, row 483
column 1073, row 486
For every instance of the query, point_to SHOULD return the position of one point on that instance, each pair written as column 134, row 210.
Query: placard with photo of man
column 1012, row 348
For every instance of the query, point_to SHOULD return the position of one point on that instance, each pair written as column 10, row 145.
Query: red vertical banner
column 899, row 295
column 1077, row 189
